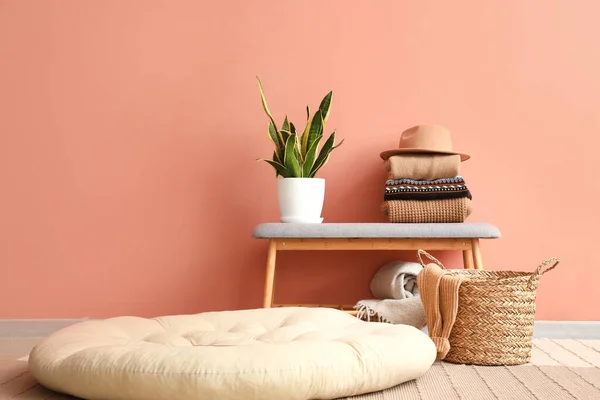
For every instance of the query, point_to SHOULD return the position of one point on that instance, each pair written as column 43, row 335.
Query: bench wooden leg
column 468, row 259
column 476, row 254
column 270, row 274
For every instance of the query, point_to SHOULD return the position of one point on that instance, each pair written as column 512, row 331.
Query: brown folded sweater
column 423, row 166
column 422, row 211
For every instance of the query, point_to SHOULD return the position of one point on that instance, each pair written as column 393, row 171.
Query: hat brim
column 394, row 152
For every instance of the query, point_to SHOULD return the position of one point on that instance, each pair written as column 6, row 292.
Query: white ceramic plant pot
column 301, row 199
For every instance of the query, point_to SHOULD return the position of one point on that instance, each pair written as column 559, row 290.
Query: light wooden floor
column 559, row 369
column 15, row 381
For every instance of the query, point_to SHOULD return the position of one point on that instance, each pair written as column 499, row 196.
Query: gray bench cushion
column 377, row 230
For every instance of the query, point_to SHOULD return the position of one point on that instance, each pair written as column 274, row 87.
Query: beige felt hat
column 425, row 139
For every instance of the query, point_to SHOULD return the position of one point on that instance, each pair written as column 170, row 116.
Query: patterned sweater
column 409, row 189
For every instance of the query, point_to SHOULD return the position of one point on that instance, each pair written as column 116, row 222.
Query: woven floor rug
column 559, row 369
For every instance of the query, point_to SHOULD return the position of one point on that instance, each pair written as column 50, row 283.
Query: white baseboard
column 564, row 329
column 567, row 329
column 33, row 327
column 542, row 329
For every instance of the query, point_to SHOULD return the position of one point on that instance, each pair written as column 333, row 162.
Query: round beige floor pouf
column 280, row 354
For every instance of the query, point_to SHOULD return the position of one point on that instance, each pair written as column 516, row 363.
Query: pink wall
column 128, row 132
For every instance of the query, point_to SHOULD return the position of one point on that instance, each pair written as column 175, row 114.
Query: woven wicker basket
column 494, row 320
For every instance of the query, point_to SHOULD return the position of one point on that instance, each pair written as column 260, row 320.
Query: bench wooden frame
column 469, row 246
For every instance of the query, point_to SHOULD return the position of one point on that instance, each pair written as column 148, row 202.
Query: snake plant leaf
column 323, row 157
column 319, row 166
column 276, row 157
column 279, row 168
column 286, row 124
column 309, row 159
column 313, row 129
column 325, row 106
column 307, row 113
column 299, row 150
column 325, row 150
column 298, row 144
column 285, row 135
column 291, row 162
column 264, row 103
column 277, row 139
column 305, row 131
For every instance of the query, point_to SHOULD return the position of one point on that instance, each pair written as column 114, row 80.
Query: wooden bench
column 370, row 236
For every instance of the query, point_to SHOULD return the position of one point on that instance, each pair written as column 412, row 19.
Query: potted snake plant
column 296, row 159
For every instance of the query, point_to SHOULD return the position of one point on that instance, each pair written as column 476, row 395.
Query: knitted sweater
column 422, row 211
column 408, row 189
column 423, row 166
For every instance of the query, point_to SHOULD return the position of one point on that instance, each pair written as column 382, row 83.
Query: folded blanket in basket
column 396, row 280
column 423, row 166
column 423, row 211
column 406, row 311
column 439, row 289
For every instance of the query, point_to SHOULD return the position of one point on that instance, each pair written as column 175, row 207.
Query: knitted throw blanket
column 423, row 211
column 408, row 311
column 396, row 280
column 423, row 166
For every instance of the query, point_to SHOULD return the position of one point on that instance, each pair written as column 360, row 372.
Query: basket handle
column 538, row 271
column 421, row 252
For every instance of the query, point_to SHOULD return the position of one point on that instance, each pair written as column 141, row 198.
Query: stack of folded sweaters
column 425, row 188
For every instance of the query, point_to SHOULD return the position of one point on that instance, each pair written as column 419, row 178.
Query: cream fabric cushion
column 279, row 354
